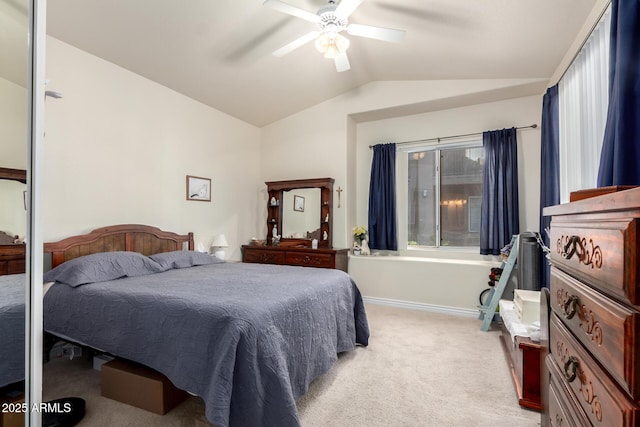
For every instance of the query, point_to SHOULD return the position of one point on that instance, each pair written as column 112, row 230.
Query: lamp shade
column 218, row 245
column 220, row 241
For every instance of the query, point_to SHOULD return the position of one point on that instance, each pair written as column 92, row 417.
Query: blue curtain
column 620, row 154
column 382, row 198
column 549, row 169
column 499, row 216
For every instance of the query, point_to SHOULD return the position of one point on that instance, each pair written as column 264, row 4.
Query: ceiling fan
column 331, row 20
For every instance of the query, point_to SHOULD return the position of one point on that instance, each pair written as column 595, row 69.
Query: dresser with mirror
column 299, row 226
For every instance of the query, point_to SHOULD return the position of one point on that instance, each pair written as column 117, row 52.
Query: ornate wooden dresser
column 305, row 257
column 12, row 255
column 593, row 360
column 12, row 259
column 298, row 251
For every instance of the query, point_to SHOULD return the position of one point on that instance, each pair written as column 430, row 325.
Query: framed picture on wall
column 198, row 188
column 298, row 203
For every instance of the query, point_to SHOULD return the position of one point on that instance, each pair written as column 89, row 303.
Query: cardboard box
column 139, row 386
column 12, row 419
column 99, row 360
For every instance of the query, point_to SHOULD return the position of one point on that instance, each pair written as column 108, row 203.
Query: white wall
column 456, row 121
column 118, row 148
column 445, row 277
column 13, row 123
column 13, row 155
column 319, row 141
column 332, row 138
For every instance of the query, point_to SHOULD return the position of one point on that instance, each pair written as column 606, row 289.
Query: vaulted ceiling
column 219, row 51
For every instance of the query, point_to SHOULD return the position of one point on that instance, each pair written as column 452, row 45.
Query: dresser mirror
column 13, row 218
column 301, row 213
column 298, row 212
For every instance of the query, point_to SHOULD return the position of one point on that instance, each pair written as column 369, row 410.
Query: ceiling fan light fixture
column 331, row 44
column 322, row 42
column 331, row 20
column 342, row 43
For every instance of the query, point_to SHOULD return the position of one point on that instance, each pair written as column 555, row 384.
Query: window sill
column 445, row 249
column 433, row 256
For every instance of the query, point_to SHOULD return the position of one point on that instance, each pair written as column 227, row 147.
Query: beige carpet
column 420, row 369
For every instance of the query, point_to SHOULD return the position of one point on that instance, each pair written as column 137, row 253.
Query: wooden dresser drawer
column 610, row 331
column 604, row 403
column 558, row 414
column 264, row 256
column 12, row 259
column 563, row 410
column 600, row 253
column 308, row 260
column 299, row 256
column 12, row 266
column 16, row 266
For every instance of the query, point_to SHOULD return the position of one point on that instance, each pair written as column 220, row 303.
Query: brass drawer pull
column 570, row 369
column 570, row 247
column 571, row 307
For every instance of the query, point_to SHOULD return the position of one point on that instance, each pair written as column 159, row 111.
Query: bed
column 12, row 328
column 247, row 338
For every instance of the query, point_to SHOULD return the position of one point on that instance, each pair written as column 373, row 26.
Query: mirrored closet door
column 22, row 37
column 14, row 125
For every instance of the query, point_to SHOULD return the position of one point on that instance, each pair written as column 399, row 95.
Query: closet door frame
column 34, row 252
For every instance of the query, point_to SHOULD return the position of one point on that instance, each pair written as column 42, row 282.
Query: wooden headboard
column 127, row 237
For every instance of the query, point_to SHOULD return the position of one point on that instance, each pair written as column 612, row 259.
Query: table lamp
column 218, row 245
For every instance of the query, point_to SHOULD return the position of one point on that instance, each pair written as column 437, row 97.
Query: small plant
column 359, row 233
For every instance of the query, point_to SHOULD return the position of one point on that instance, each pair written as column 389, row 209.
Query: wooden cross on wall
column 339, row 190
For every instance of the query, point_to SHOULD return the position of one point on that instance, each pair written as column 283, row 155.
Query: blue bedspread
column 247, row 338
column 12, row 348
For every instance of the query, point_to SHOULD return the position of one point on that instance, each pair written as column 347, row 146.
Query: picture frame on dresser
column 298, row 203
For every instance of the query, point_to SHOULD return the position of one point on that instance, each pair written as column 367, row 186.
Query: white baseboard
column 410, row 305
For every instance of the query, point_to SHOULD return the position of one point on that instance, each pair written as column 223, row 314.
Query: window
column 444, row 194
column 583, row 101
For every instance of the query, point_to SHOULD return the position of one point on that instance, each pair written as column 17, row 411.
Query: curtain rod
column 533, row 126
column 584, row 42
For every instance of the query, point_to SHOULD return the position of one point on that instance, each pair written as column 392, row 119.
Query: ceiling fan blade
column 296, row 44
column 378, row 33
column 342, row 62
column 346, row 7
column 291, row 10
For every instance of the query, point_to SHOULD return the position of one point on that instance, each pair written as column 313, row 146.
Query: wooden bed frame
column 126, row 237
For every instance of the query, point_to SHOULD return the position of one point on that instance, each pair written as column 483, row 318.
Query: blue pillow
column 102, row 267
column 183, row 259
